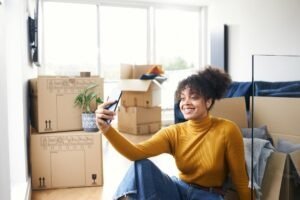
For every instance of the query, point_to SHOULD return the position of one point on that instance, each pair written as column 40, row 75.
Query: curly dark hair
column 210, row 83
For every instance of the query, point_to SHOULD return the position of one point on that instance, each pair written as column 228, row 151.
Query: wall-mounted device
column 33, row 34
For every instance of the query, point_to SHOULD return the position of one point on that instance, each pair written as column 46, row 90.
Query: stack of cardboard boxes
column 61, row 154
column 139, row 111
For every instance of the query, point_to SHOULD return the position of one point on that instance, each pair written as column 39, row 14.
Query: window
column 123, row 38
column 104, row 36
column 70, row 39
column 176, row 47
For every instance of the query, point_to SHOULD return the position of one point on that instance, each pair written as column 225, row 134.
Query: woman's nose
column 186, row 100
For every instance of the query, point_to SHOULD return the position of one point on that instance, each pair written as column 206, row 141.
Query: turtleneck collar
column 200, row 126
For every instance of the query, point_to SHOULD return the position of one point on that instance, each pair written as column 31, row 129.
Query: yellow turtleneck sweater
column 205, row 151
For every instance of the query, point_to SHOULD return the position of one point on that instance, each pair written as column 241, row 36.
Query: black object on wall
column 219, row 47
column 33, row 34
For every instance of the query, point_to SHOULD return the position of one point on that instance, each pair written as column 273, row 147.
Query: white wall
column 257, row 27
column 17, row 70
column 4, row 142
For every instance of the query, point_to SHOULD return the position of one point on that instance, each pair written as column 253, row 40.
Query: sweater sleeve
column 236, row 162
column 157, row 144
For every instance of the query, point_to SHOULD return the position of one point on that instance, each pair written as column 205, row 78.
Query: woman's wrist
column 104, row 130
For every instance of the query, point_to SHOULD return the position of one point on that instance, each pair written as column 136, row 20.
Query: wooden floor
column 114, row 168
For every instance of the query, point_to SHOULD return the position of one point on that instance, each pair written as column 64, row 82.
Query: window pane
column 177, row 47
column 70, row 38
column 123, row 38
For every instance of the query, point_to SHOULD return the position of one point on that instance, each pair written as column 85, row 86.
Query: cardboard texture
column 233, row 109
column 281, row 115
column 135, row 71
column 139, row 120
column 52, row 102
column 142, row 93
column 66, row 159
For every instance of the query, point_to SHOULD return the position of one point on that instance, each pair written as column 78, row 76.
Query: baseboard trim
column 21, row 191
column 28, row 191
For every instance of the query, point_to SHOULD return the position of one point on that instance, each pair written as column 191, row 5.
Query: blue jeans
column 145, row 181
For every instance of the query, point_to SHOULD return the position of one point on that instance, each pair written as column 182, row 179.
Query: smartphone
column 115, row 96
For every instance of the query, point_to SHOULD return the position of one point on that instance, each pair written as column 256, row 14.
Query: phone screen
column 114, row 96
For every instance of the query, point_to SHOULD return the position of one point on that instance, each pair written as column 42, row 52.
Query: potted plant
column 88, row 100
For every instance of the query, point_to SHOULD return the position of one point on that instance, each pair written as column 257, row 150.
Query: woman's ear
column 208, row 103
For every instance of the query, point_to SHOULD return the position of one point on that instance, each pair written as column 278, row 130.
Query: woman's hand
column 102, row 115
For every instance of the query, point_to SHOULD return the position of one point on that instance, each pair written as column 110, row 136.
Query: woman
column 206, row 149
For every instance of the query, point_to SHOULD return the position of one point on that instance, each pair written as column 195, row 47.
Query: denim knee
column 143, row 162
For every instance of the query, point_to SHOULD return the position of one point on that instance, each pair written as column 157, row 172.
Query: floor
column 114, row 168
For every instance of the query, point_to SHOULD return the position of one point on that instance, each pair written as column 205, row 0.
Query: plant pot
column 89, row 122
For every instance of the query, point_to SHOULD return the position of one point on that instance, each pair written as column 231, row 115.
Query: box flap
column 283, row 136
column 233, row 109
column 295, row 157
column 280, row 114
column 272, row 180
column 135, row 85
column 126, row 71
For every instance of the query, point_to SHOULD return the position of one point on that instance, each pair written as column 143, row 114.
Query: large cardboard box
column 52, row 101
column 142, row 93
column 66, row 159
column 281, row 115
column 139, row 120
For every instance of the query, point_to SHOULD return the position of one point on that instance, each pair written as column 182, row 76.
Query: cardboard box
column 52, row 102
column 139, row 120
column 66, row 159
column 141, row 93
column 281, row 115
column 135, row 71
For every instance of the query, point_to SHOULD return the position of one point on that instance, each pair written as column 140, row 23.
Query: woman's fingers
column 103, row 115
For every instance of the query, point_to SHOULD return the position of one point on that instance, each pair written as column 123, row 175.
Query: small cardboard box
column 66, row 159
column 139, row 120
column 52, row 101
column 135, row 71
column 141, row 93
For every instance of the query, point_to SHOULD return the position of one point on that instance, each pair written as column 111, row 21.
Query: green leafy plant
column 86, row 97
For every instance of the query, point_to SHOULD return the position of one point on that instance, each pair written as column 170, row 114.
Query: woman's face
column 192, row 105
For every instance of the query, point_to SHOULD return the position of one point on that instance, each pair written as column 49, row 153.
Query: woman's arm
column 155, row 145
